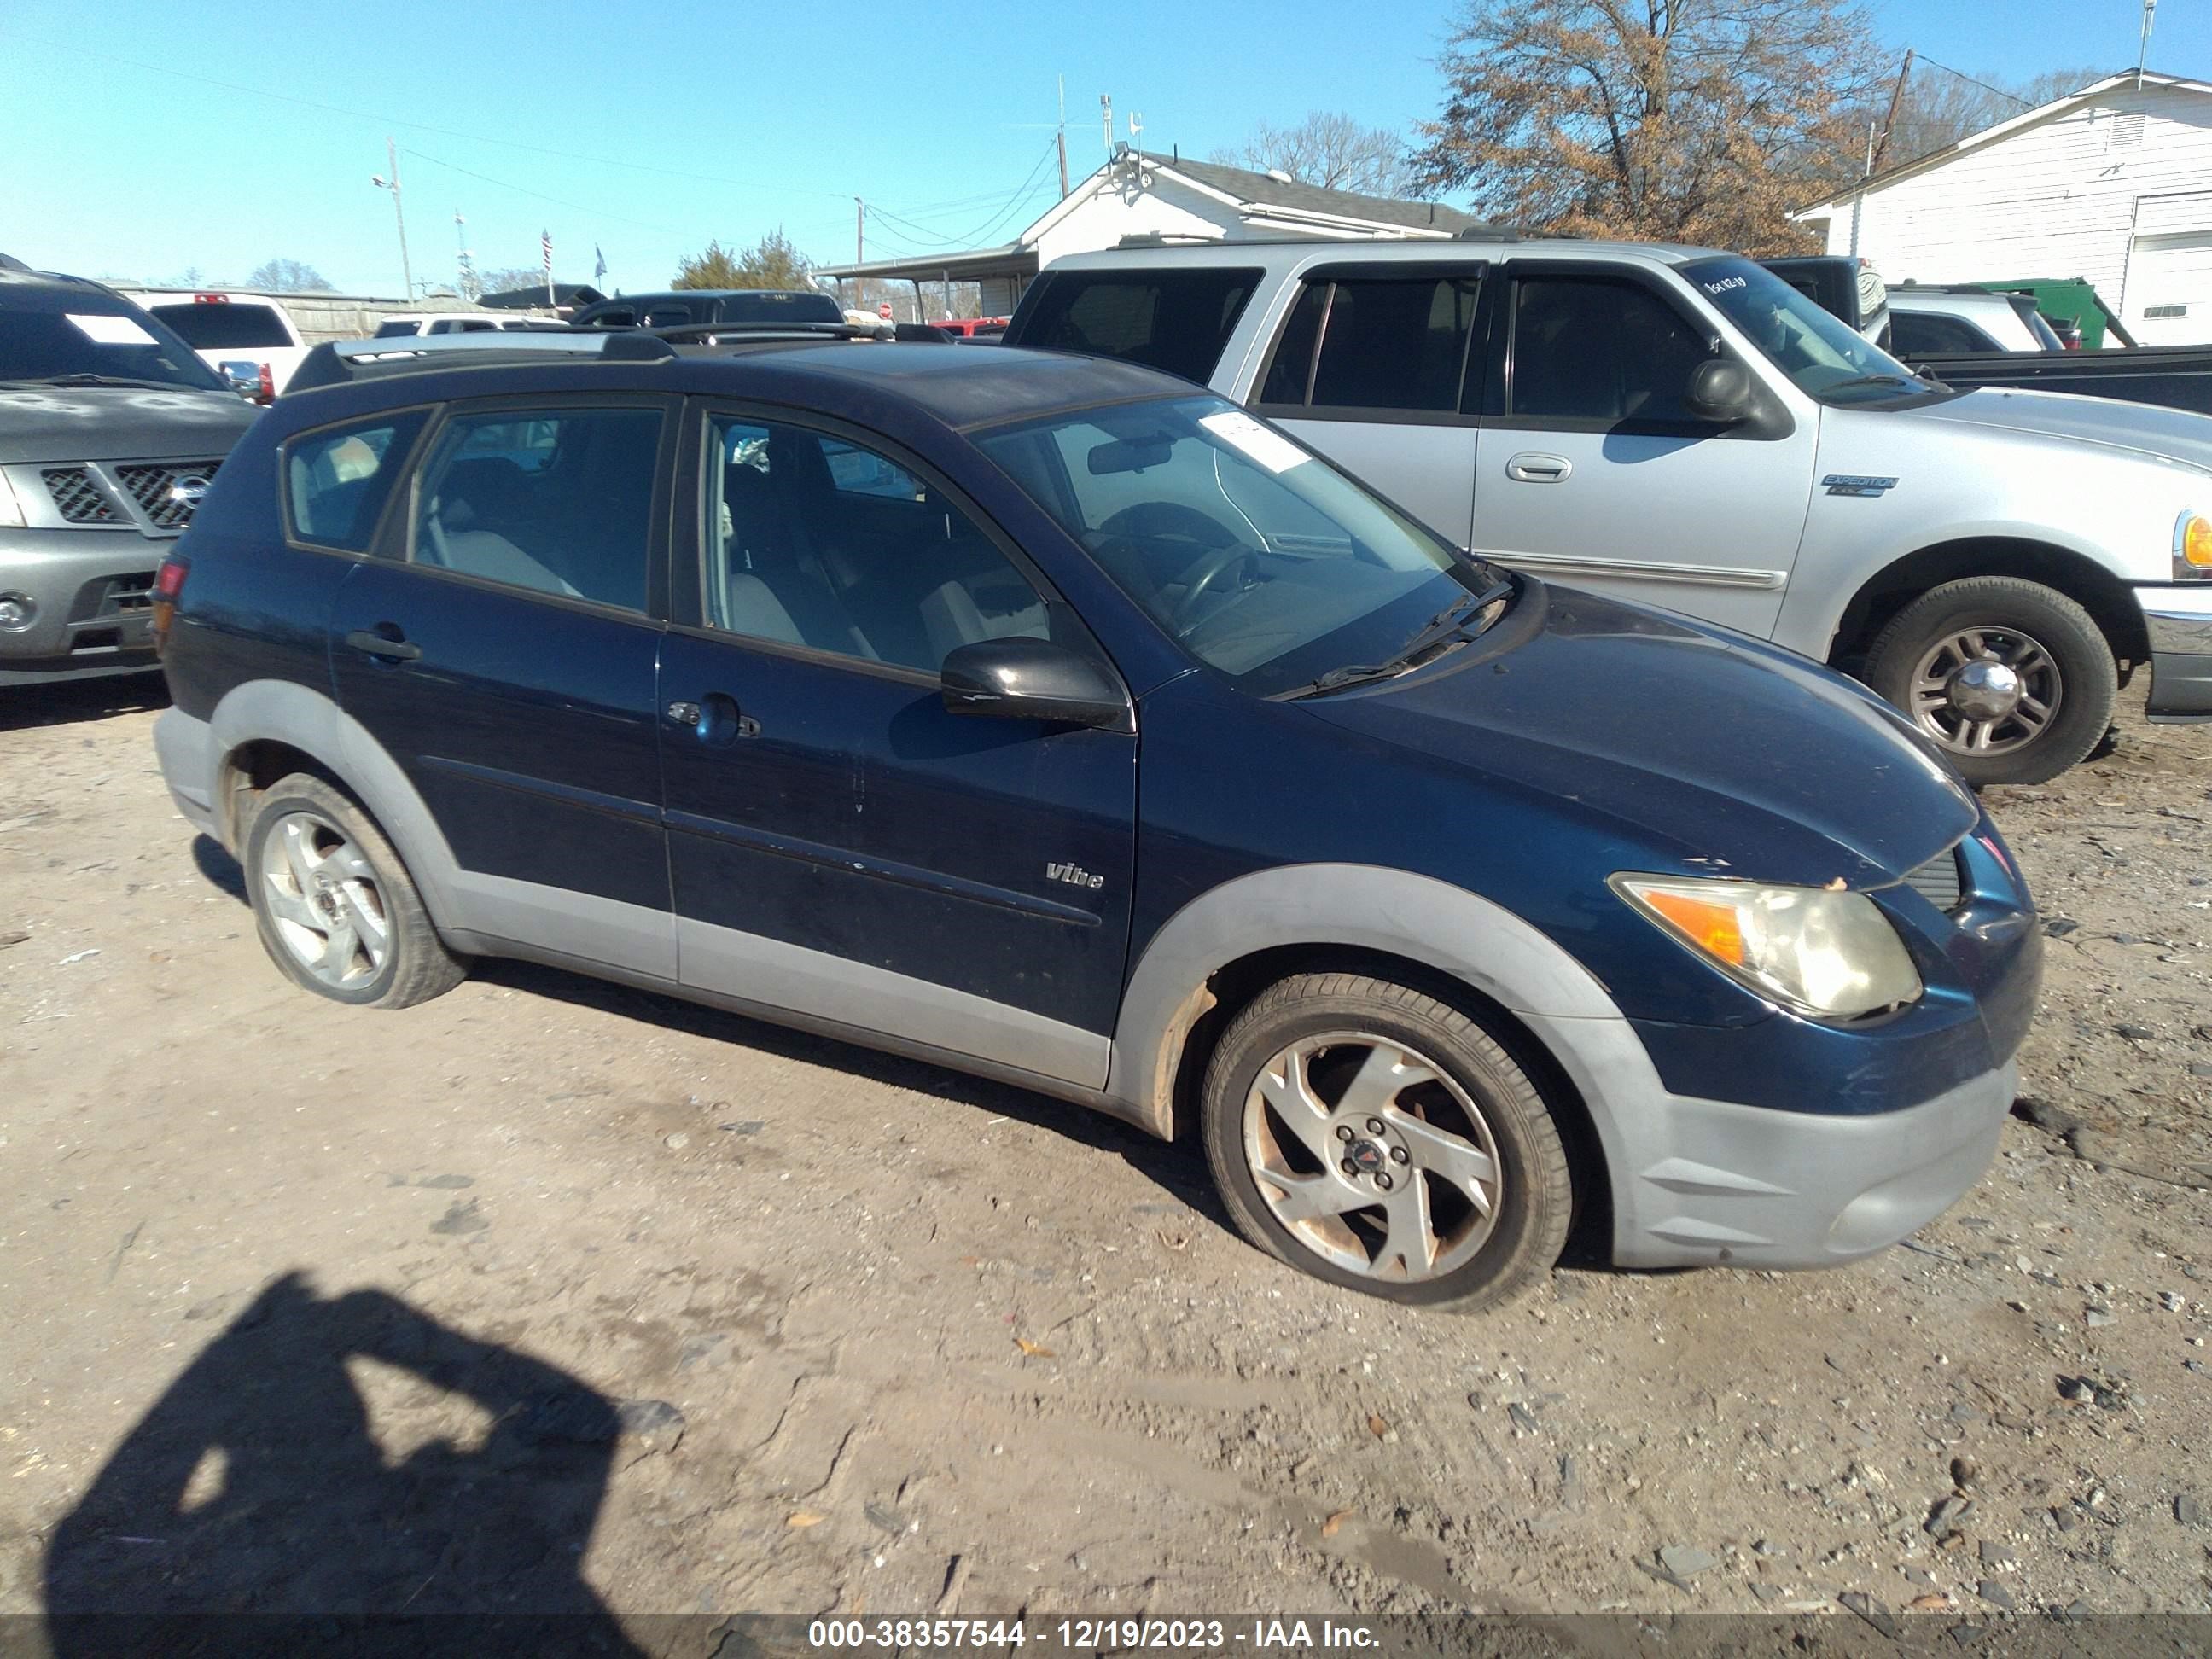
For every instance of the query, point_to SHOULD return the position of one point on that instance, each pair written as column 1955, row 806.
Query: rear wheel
column 2011, row 679
column 334, row 905
column 1385, row 1140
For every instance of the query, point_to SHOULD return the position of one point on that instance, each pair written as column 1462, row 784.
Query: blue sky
column 779, row 114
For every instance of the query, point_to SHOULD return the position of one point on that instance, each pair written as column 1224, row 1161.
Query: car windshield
column 1826, row 358
column 84, row 340
column 1261, row 559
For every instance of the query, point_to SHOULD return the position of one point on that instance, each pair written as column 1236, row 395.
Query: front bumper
column 2179, row 619
column 91, row 597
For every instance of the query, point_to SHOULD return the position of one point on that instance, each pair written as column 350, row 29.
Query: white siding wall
column 1118, row 210
column 2056, row 199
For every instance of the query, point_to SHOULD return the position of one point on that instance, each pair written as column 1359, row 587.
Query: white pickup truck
column 1684, row 428
column 250, row 338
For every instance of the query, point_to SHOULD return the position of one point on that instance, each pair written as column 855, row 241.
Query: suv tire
column 2057, row 658
column 1385, row 1141
column 335, row 907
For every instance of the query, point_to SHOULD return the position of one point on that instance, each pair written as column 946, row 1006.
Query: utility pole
column 391, row 155
column 860, row 231
column 1889, row 120
column 1063, row 136
column 1858, row 199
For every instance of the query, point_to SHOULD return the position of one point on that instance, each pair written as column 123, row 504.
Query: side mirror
column 1027, row 679
column 244, row 377
column 1720, row 389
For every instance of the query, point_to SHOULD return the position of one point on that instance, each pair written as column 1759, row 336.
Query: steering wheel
column 1172, row 521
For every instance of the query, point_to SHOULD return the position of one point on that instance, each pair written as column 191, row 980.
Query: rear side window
column 226, row 326
column 553, row 501
column 1923, row 334
column 1587, row 349
column 337, row 480
column 1375, row 344
column 397, row 327
column 1176, row 320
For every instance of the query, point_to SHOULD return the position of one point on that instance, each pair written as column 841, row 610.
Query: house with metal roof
column 1141, row 194
column 2112, row 183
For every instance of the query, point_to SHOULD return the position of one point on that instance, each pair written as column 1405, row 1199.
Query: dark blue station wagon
column 1050, row 719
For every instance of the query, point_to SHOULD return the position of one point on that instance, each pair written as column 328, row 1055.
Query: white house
column 2112, row 183
column 1141, row 193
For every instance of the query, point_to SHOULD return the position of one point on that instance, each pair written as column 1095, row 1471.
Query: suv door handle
column 714, row 719
column 385, row 640
column 1532, row 468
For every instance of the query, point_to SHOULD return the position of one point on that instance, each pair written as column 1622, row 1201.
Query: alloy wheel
column 1985, row 690
column 1372, row 1157
column 322, row 895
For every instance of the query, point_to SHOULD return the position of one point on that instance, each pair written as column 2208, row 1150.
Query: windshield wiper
column 1879, row 380
column 1448, row 627
column 84, row 378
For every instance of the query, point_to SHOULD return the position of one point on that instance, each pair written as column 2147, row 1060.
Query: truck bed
column 2175, row 377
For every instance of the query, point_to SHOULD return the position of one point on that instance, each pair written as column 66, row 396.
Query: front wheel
column 2011, row 679
column 1385, row 1141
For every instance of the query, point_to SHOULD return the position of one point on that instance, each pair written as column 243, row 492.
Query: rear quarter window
column 337, row 479
column 1175, row 320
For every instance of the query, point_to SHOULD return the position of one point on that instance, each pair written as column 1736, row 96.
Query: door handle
column 1538, row 469
column 385, row 640
column 714, row 719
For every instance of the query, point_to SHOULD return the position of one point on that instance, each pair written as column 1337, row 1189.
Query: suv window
column 1596, row 349
column 225, row 326
column 394, row 328
column 1384, row 343
column 337, row 480
column 800, row 551
column 53, row 337
column 554, row 501
column 1922, row 334
column 1176, row 320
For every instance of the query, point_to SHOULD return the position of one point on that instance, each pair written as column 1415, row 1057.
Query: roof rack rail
column 336, row 362
column 761, row 329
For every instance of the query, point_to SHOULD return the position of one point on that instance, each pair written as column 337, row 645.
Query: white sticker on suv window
column 1250, row 438
column 103, row 330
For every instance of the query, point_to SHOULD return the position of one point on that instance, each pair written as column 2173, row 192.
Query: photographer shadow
column 256, row 1486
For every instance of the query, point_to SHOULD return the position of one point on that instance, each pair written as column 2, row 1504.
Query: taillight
column 267, row 393
column 168, row 583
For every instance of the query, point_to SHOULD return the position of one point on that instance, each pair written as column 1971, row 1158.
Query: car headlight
column 2193, row 547
column 1820, row 951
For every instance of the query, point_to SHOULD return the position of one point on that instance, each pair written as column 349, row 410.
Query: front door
column 1372, row 368
column 505, row 657
column 1593, row 470
column 842, row 847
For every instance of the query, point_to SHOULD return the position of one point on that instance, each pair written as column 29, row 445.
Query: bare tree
column 1686, row 120
column 511, row 279
column 287, row 277
column 1331, row 150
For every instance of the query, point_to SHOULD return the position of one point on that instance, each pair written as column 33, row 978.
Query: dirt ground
column 549, row 1294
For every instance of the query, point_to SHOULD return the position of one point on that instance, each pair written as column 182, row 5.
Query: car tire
column 1414, row 1098
column 2057, row 656
column 335, row 907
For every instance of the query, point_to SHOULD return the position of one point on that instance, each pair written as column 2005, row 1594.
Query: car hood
column 117, row 423
column 2169, row 434
column 1740, row 759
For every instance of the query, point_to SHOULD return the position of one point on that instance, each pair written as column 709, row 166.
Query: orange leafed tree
column 1701, row 121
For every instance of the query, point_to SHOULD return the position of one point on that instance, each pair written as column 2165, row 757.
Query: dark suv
column 1057, row 720
column 110, row 428
column 754, row 306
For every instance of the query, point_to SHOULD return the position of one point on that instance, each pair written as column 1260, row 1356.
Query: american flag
column 545, row 246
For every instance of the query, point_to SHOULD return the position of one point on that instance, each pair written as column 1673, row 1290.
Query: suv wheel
column 1384, row 1140
column 334, row 904
column 2011, row 679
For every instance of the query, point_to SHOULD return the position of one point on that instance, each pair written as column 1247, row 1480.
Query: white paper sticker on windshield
column 1247, row 436
column 103, row 330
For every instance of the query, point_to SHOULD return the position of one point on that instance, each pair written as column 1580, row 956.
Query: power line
column 558, row 201
column 1022, row 191
column 2009, row 97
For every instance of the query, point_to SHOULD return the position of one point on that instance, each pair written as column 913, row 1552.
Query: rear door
column 503, row 652
column 843, row 847
column 1594, row 471
column 1377, row 366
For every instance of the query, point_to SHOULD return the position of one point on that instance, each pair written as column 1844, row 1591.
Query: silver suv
column 1681, row 427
